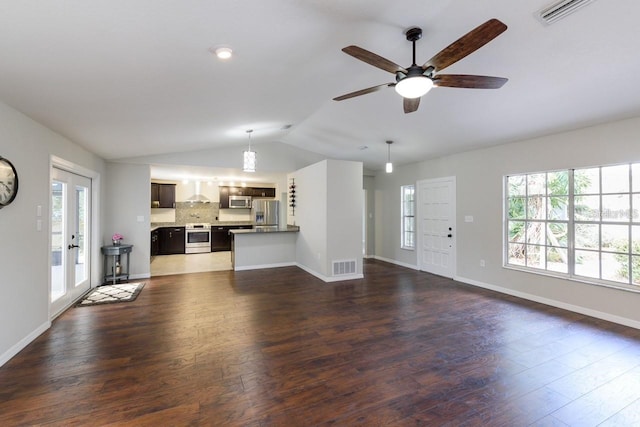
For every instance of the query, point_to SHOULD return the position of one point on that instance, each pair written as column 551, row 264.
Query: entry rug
column 108, row 294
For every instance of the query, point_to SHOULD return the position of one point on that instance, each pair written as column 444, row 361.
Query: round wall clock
column 8, row 182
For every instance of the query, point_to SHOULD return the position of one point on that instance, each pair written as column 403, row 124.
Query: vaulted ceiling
column 132, row 78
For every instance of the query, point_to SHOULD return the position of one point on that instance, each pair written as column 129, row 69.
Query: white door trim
column 96, row 222
column 452, row 221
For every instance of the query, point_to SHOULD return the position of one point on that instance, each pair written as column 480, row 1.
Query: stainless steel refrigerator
column 265, row 213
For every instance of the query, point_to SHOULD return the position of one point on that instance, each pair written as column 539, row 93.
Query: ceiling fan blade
column 362, row 92
column 469, row 81
column 373, row 59
column 466, row 44
column 410, row 104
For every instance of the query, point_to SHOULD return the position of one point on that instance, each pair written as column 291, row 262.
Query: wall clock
column 8, row 182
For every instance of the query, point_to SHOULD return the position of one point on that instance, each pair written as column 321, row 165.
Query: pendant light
column 389, row 166
column 249, row 157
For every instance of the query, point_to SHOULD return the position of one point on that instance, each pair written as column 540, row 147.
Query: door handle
column 449, row 235
column 72, row 246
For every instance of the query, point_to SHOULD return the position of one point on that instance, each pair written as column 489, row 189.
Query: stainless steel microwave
column 240, row 202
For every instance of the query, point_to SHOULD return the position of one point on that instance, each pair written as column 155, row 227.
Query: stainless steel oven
column 197, row 238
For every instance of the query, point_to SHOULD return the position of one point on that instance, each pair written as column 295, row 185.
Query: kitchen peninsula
column 264, row 247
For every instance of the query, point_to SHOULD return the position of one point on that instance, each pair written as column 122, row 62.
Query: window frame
column 404, row 216
column 573, row 221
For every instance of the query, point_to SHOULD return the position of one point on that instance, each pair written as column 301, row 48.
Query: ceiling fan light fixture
column 414, row 87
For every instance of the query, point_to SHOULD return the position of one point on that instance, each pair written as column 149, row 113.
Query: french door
column 437, row 217
column 70, row 238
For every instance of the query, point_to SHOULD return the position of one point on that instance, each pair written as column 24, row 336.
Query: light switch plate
column 140, row 218
column 468, row 218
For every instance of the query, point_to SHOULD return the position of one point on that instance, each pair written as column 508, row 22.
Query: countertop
column 287, row 229
column 155, row 226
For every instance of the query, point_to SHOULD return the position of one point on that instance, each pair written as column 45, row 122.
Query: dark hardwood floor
column 280, row 347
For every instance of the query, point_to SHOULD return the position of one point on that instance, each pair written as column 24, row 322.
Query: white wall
column 479, row 193
column 328, row 210
column 344, row 218
column 368, row 183
column 128, row 195
column 311, row 216
column 272, row 157
column 24, row 251
column 387, row 213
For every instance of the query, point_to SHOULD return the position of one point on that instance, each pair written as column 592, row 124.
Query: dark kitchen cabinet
column 172, row 240
column 225, row 192
column 224, row 197
column 221, row 236
column 163, row 195
column 155, row 242
column 263, row 192
column 220, row 239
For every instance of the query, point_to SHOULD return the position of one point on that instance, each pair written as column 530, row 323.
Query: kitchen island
column 263, row 247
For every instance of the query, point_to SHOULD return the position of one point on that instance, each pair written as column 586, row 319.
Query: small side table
column 113, row 253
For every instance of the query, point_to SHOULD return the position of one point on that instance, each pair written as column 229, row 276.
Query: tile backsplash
column 186, row 212
column 196, row 212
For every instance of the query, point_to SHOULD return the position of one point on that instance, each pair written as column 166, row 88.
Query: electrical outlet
column 482, row 264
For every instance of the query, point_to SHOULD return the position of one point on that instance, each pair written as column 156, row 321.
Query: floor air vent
column 559, row 10
column 344, row 267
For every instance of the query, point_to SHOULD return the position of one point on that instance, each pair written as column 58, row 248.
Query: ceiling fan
column 413, row 82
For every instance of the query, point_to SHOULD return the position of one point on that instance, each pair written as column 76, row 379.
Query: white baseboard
column 4, row 358
column 393, row 261
column 258, row 267
column 329, row 279
column 553, row 303
column 344, row 277
column 140, row 276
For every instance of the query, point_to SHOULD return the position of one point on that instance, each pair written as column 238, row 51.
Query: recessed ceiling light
column 224, row 52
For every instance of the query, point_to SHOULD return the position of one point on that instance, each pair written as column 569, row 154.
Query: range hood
column 198, row 197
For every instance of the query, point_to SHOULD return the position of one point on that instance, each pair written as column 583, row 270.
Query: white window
column 580, row 223
column 408, row 217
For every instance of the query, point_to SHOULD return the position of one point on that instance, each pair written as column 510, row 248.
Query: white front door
column 70, row 238
column 437, row 212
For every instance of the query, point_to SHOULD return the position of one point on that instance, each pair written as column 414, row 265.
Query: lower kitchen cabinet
column 221, row 238
column 172, row 240
column 155, row 242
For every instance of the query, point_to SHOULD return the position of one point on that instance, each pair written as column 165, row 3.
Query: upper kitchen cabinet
column 225, row 192
column 263, row 192
column 163, row 195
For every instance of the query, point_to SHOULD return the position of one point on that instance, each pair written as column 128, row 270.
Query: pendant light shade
column 389, row 166
column 249, row 157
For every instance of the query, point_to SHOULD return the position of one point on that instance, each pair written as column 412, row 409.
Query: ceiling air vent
column 559, row 10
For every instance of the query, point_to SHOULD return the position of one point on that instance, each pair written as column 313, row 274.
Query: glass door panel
column 80, row 235
column 70, row 238
column 58, row 255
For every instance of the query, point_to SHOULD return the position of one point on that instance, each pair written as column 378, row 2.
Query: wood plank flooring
column 280, row 347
